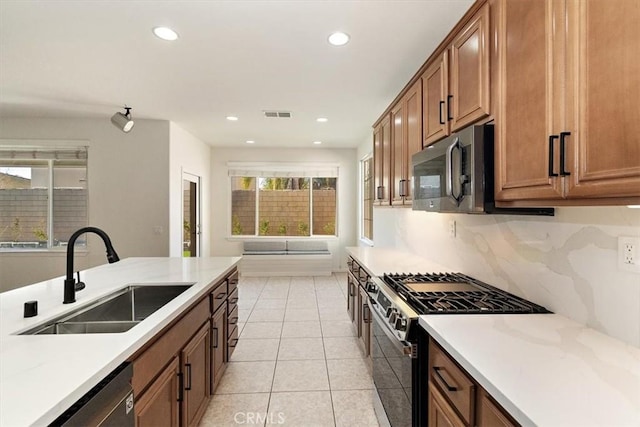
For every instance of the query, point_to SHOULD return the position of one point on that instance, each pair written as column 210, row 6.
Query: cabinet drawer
column 232, row 301
column 233, row 321
column 232, row 283
column 233, row 341
column 456, row 386
column 218, row 297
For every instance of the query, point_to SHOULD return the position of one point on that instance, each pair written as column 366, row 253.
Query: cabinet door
column 398, row 152
column 603, row 108
column 490, row 414
column 413, row 124
column 441, row 413
column 159, row 405
column 434, row 100
column 377, row 164
column 529, row 96
column 469, row 91
column 195, row 368
column 218, row 346
column 365, row 322
column 351, row 296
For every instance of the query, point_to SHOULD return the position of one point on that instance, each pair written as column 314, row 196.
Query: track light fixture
column 123, row 121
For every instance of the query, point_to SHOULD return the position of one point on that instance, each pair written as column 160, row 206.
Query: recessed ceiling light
column 232, row 118
column 339, row 38
column 317, row 142
column 165, row 33
column 250, row 142
column 322, row 120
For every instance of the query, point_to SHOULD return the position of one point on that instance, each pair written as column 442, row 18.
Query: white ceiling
column 62, row 58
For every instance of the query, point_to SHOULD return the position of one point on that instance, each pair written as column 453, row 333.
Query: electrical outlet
column 452, row 228
column 628, row 257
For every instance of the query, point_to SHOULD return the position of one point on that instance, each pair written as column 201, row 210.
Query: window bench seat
column 286, row 258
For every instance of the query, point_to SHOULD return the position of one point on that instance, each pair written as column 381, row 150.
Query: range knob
column 401, row 324
column 393, row 317
column 389, row 311
column 371, row 287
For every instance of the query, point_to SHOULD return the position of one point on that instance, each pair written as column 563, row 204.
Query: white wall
column 347, row 194
column 566, row 263
column 188, row 154
column 128, row 192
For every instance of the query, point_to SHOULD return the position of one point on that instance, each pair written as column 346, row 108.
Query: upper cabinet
column 456, row 88
column 382, row 160
column 567, row 129
column 406, row 140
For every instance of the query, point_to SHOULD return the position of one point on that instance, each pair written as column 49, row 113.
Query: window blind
column 283, row 169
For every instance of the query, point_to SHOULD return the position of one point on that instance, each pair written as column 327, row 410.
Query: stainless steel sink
column 117, row 312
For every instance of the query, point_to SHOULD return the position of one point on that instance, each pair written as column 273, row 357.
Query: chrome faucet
column 70, row 285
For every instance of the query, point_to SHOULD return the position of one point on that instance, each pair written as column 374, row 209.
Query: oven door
column 392, row 367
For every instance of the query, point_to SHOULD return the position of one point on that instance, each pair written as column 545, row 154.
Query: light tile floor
column 298, row 362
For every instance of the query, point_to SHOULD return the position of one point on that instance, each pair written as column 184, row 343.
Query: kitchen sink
column 114, row 313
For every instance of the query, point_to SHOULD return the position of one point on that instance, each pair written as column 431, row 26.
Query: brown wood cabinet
column 158, row 406
column 364, row 322
column 567, row 129
column 456, row 83
column 177, row 371
column 218, row 346
column 382, row 161
column 454, row 397
column 406, row 140
column 195, row 368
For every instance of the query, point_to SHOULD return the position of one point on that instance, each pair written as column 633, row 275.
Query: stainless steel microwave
column 456, row 175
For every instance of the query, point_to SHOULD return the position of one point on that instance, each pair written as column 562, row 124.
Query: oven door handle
column 403, row 346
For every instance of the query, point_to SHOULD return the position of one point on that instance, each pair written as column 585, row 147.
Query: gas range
column 400, row 298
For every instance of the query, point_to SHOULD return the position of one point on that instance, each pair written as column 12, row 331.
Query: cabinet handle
column 440, row 113
column 563, row 135
column 233, row 300
column 233, row 321
column 380, row 192
column 437, row 370
column 215, row 334
column 221, row 296
column 365, row 312
column 551, row 139
column 401, row 188
column 449, row 99
column 187, row 366
column 180, row 387
column 352, row 290
column 234, row 341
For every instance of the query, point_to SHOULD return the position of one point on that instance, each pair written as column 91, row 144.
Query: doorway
column 190, row 215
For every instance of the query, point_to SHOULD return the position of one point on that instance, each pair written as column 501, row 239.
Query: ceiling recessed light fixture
column 322, row 120
column 339, row 38
column 317, row 142
column 250, row 142
column 165, row 33
column 232, row 118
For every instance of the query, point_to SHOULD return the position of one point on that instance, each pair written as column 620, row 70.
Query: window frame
column 361, row 200
column 49, row 146
column 294, row 170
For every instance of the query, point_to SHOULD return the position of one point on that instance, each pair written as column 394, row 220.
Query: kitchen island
column 42, row 375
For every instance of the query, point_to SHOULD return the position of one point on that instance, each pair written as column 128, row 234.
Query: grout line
column 326, row 364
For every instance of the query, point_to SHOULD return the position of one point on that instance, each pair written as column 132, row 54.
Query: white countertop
column 544, row 369
column 42, row 375
column 378, row 261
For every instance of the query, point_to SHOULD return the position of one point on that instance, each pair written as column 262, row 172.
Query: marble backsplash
column 567, row 263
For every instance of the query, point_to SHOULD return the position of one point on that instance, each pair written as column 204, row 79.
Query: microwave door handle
column 449, row 172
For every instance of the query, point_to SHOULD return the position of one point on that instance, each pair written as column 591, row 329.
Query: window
column 283, row 200
column 43, row 196
column 367, row 198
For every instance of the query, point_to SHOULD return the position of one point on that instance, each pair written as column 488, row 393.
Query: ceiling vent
column 278, row 114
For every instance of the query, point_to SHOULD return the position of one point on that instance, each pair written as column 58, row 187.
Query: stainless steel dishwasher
column 108, row 404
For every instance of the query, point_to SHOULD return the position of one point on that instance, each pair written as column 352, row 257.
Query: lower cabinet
column 178, row 370
column 455, row 399
column 218, row 346
column 158, row 406
column 195, row 376
column 365, row 322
